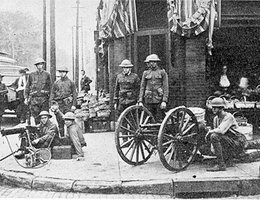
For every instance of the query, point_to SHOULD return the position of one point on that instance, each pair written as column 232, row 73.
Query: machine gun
column 33, row 157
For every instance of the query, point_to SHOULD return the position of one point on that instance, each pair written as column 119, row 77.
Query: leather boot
column 221, row 165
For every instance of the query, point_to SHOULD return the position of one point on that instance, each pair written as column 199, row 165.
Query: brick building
column 191, row 69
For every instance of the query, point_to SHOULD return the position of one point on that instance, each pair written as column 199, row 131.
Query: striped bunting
column 122, row 21
column 185, row 23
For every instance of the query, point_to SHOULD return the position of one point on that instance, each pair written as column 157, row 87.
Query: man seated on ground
column 226, row 141
column 46, row 134
column 74, row 132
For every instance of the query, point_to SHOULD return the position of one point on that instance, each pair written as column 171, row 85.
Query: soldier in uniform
column 3, row 92
column 154, row 88
column 37, row 90
column 64, row 93
column 126, row 88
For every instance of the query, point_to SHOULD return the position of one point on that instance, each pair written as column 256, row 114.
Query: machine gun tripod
column 33, row 157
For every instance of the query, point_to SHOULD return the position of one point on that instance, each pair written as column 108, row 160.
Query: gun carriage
column 176, row 138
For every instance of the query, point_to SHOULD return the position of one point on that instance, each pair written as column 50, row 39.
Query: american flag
column 188, row 18
column 122, row 21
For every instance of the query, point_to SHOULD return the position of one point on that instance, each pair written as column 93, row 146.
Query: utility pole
column 82, row 46
column 73, row 51
column 52, row 42
column 44, row 41
column 77, row 48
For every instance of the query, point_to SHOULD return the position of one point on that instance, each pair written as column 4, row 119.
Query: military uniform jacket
column 47, row 133
column 154, row 86
column 38, row 85
column 62, row 89
column 126, row 88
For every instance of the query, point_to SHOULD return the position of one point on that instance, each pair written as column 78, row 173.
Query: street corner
column 16, row 178
column 102, row 187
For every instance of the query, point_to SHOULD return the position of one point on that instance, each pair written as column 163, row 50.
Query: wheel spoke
column 128, row 121
column 146, row 147
column 189, row 138
column 126, row 143
column 137, row 117
column 182, row 120
column 167, row 150
column 173, row 151
column 164, row 144
column 188, row 129
column 132, row 143
column 146, row 120
column 175, row 155
column 186, row 123
column 131, row 131
column 141, row 117
column 126, row 136
column 133, row 151
column 134, row 120
column 142, row 150
column 137, row 153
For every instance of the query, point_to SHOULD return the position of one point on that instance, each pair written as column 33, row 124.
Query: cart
column 176, row 138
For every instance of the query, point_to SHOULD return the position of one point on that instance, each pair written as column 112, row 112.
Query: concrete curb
column 240, row 185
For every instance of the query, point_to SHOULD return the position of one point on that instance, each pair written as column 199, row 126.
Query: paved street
column 10, row 192
column 13, row 192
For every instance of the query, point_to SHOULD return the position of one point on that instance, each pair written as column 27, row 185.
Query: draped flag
column 119, row 21
column 188, row 18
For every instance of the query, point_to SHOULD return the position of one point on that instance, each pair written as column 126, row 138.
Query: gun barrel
column 12, row 131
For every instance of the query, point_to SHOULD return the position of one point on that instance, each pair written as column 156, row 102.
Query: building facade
column 191, row 68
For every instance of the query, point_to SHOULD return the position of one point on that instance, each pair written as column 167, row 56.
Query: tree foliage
column 20, row 36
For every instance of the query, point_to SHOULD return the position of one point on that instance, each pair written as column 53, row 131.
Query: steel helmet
column 38, row 61
column 154, row 57
column 126, row 63
column 218, row 102
column 63, row 69
column 44, row 113
column 147, row 59
column 69, row 115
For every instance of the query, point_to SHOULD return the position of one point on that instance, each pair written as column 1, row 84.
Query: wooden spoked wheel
column 177, row 139
column 135, row 136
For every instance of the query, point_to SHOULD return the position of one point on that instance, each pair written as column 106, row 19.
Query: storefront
column 186, row 58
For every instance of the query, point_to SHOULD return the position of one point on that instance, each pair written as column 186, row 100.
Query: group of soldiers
column 223, row 139
column 37, row 94
column 153, row 90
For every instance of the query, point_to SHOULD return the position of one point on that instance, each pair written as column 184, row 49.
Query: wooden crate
column 61, row 152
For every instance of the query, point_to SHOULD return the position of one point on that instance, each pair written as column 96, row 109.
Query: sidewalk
column 103, row 171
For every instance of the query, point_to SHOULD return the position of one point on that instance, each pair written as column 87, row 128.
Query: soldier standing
column 154, row 89
column 37, row 90
column 126, row 88
column 64, row 93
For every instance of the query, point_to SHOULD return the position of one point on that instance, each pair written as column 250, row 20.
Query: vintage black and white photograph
column 130, row 99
